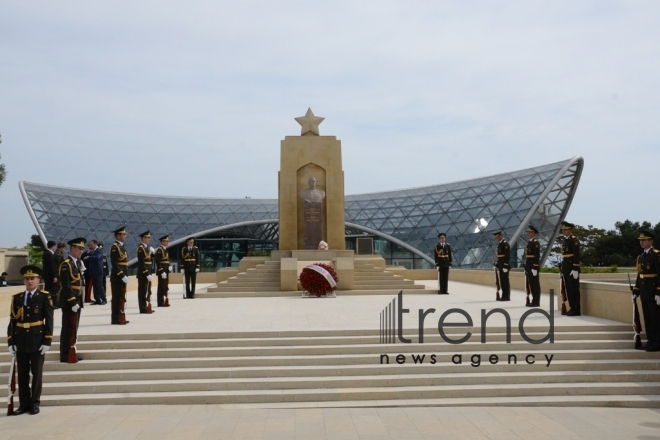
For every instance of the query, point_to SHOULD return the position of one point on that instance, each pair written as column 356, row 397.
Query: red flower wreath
column 313, row 282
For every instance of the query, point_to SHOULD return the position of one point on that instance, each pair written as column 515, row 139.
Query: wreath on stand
column 318, row 279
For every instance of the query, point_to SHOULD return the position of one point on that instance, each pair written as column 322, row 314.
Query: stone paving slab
column 429, row 423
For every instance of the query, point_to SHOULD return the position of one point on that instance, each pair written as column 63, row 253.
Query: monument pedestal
column 293, row 262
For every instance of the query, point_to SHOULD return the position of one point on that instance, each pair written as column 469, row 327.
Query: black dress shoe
column 653, row 348
column 505, row 299
column 21, row 410
column 34, row 410
column 643, row 347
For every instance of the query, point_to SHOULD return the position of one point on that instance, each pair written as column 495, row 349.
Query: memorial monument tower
column 311, row 189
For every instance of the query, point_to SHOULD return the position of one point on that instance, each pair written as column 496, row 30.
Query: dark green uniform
column 503, row 262
column 119, row 263
column 59, row 257
column 70, row 295
column 162, row 267
column 532, row 262
column 30, row 327
column 570, row 251
column 190, row 259
column 443, row 262
column 143, row 271
column 647, row 286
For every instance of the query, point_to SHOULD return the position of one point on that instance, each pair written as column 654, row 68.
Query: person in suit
column 94, row 263
column 162, row 270
column 503, row 265
column 106, row 272
column 532, row 262
column 71, row 296
column 50, row 270
column 144, row 276
column 443, row 262
column 647, row 285
column 118, row 276
column 190, row 259
column 29, row 336
column 570, row 267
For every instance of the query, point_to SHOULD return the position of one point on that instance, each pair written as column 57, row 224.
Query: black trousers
column 443, row 278
column 573, row 292
column 26, row 363
column 143, row 285
column 535, row 288
column 162, row 289
column 99, row 290
column 117, row 288
column 67, row 329
column 651, row 312
column 504, row 284
column 190, row 276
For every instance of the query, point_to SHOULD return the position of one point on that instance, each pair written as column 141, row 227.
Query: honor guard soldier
column 163, row 271
column 570, row 267
column 144, row 276
column 647, row 286
column 71, row 296
column 442, row 262
column 29, row 335
column 503, row 265
column 106, row 272
column 118, row 277
column 532, row 262
column 190, row 257
column 59, row 257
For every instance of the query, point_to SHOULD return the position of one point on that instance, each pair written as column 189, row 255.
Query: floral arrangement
column 319, row 279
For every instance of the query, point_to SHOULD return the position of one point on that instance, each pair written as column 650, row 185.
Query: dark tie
column 29, row 297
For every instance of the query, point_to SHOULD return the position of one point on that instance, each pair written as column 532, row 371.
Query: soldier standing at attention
column 118, row 276
column 162, row 270
column 503, row 257
column 29, row 335
column 59, row 257
column 532, row 261
column 71, row 296
column 570, row 268
column 144, row 252
column 647, row 286
column 442, row 262
column 190, row 258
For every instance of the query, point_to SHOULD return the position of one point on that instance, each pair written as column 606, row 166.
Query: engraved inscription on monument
column 312, row 214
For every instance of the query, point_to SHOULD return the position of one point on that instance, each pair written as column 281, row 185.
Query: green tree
column 35, row 250
column 589, row 238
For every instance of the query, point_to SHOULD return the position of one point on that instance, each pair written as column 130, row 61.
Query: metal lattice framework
column 468, row 211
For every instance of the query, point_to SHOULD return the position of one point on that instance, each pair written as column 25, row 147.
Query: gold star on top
column 309, row 123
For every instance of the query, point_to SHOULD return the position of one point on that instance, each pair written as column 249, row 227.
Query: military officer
column 29, row 335
column 570, row 267
column 59, row 257
column 532, row 261
column 647, row 286
column 162, row 270
column 106, row 272
column 190, row 259
column 71, row 296
column 118, row 276
column 503, row 265
column 443, row 262
column 144, row 276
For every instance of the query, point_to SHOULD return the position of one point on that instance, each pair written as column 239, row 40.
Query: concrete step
column 384, row 282
column 228, row 293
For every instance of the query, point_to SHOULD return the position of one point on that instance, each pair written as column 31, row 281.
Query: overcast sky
column 193, row 98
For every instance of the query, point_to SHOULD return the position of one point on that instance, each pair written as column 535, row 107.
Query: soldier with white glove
column 144, row 270
column 503, row 256
column 190, row 266
column 71, row 296
column 570, row 267
column 647, row 286
column 163, row 268
column 532, row 262
column 118, row 276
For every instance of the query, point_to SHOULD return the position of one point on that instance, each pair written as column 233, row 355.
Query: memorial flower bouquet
column 319, row 279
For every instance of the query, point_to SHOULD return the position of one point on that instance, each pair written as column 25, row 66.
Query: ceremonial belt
column 500, row 256
column 29, row 324
column 566, row 255
column 74, row 287
column 164, row 261
column 443, row 256
column 529, row 256
column 122, row 264
column 648, row 275
column 190, row 259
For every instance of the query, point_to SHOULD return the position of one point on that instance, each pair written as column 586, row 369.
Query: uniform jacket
column 442, row 255
column 144, row 260
column 119, row 261
column 162, row 260
column 31, row 325
column 503, row 255
column 532, row 255
column 648, row 271
column 570, row 251
column 190, row 259
column 72, row 284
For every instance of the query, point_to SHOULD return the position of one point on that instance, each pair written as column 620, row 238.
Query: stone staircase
column 262, row 278
column 370, row 277
column 592, row 366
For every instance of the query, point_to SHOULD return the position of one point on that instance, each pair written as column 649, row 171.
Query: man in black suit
column 50, row 271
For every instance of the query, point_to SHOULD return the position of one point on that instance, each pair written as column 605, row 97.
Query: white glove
column 149, row 277
column 163, row 275
column 152, row 250
column 12, row 350
column 44, row 349
column 183, row 270
column 125, row 279
column 171, row 268
column 505, row 270
column 75, row 308
column 657, row 299
column 196, row 270
column 535, row 272
column 635, row 294
column 82, row 266
column 575, row 274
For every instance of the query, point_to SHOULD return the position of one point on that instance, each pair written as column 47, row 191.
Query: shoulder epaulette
column 656, row 251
